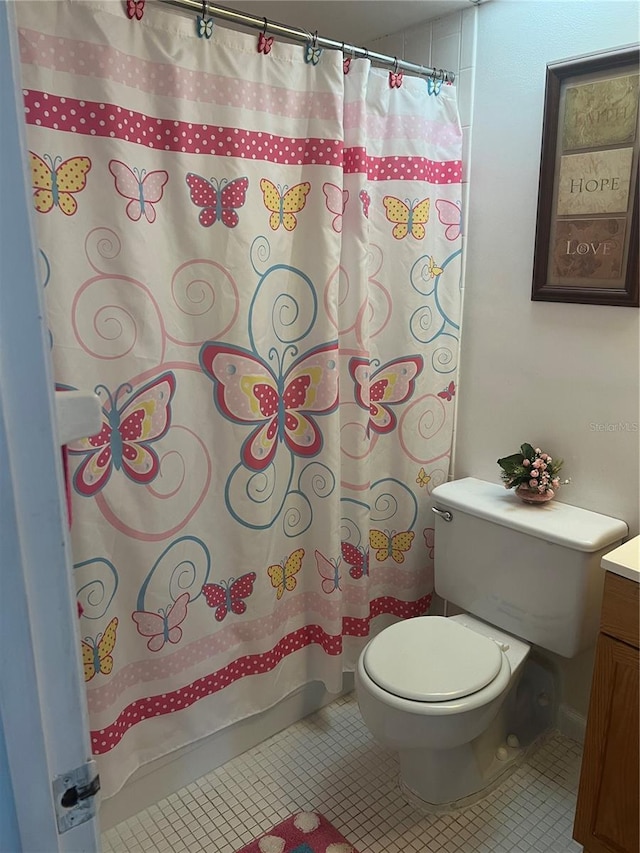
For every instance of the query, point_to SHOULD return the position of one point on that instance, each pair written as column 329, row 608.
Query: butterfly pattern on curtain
column 55, row 184
column 127, row 432
column 143, row 189
column 267, row 306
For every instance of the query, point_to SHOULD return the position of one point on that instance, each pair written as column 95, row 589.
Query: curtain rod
column 297, row 34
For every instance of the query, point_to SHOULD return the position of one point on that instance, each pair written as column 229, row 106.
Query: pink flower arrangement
column 533, row 468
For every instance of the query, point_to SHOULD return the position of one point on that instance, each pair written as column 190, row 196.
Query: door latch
column 74, row 796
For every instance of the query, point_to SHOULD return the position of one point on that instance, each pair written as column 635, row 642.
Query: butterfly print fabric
column 336, row 201
column 387, row 385
column 284, row 203
column 357, row 558
column 409, row 217
column 329, row 572
column 283, row 576
column 450, row 215
column 124, row 442
column 163, row 626
column 253, row 259
column 219, row 200
column 247, row 391
column 392, row 544
column 229, row 596
column 56, row 185
column 144, row 189
column 97, row 651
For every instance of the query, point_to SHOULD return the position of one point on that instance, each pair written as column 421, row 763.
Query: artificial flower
column 533, row 468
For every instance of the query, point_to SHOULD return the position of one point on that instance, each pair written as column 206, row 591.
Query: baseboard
column 571, row 723
column 162, row 777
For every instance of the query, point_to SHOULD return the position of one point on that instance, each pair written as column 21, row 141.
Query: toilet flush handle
column 443, row 513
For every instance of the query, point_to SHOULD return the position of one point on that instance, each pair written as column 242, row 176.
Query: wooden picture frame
column 586, row 247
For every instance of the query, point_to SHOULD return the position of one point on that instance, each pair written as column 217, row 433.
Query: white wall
column 535, row 371
column 547, row 373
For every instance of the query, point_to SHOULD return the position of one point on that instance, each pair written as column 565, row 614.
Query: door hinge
column 74, row 796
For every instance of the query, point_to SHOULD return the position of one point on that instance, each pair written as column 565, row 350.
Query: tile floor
column 329, row 763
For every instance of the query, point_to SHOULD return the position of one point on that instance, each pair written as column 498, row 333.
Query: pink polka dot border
column 106, row 739
column 402, row 168
column 103, row 120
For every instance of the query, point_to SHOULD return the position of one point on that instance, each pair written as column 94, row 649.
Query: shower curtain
column 253, row 256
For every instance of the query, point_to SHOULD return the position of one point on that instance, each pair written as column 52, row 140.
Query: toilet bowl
column 429, row 689
column 457, row 697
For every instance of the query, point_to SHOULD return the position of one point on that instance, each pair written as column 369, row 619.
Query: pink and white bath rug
column 305, row 832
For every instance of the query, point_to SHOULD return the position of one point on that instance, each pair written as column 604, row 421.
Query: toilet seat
column 432, row 659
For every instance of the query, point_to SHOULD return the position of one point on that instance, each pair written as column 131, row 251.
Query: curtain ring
column 395, row 76
column 352, row 51
column 204, row 24
column 346, row 60
column 312, row 52
column 265, row 42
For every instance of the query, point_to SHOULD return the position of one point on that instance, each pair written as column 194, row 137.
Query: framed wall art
column 586, row 247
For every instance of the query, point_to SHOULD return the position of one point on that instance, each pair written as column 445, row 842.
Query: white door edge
column 42, row 697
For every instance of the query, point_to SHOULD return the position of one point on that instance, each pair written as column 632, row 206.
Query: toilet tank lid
column 562, row 524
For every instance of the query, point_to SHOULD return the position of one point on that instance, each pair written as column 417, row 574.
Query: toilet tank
column 532, row 570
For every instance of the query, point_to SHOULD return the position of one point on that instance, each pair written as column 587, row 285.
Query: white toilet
column 442, row 691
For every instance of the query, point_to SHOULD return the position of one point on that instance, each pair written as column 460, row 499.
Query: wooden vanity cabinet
column 607, row 814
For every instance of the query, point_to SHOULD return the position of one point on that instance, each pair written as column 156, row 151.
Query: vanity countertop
column 624, row 560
